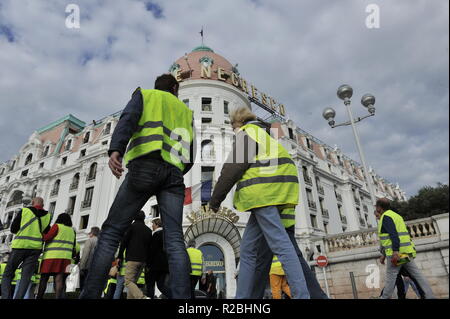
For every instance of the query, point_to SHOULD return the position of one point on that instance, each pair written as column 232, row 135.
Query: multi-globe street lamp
column 345, row 92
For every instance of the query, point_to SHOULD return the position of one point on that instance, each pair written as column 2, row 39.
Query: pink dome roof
column 199, row 55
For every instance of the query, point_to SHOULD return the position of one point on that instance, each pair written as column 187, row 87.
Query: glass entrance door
column 215, row 278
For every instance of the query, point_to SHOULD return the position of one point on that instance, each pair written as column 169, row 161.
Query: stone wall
column 358, row 253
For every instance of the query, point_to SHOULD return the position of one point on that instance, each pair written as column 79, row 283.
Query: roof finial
column 201, row 33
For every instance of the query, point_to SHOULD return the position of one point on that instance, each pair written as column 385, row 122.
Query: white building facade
column 66, row 163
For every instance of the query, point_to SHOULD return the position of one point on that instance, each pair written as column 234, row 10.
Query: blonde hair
column 242, row 114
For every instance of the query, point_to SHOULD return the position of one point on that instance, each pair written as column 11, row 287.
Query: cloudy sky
column 297, row 51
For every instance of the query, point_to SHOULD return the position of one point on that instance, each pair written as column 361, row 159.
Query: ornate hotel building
column 65, row 162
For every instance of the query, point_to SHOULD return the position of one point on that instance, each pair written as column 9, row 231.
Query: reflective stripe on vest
column 110, row 281
column 406, row 245
column 287, row 216
column 2, row 270
column 62, row 246
column 141, row 280
column 195, row 256
column 272, row 175
column 166, row 126
column 29, row 235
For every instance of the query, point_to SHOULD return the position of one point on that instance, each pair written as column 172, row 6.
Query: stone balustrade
column 418, row 229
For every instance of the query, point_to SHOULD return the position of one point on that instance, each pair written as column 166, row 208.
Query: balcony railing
column 312, row 204
column 73, row 186
column 344, row 220
column 365, row 208
column 339, row 197
column 418, row 229
column 86, row 203
column 54, row 192
column 325, row 213
column 307, row 179
column 320, row 190
column 90, row 178
column 357, row 201
column 14, row 202
column 69, row 211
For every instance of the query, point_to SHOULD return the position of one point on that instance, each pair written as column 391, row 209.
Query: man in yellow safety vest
column 398, row 248
column 28, row 226
column 196, row 258
column 158, row 129
column 266, row 178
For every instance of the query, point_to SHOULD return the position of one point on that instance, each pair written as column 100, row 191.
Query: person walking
column 120, row 279
column 157, row 269
column 398, row 248
column 60, row 246
column 196, row 259
column 35, row 280
column 211, row 282
column 265, row 255
column 28, row 226
column 136, row 243
column 278, row 282
column 266, row 178
column 2, row 269
column 87, row 253
column 159, row 130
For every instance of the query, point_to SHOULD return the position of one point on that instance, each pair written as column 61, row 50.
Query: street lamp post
column 345, row 92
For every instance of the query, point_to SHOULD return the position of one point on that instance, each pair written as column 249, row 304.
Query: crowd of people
column 155, row 139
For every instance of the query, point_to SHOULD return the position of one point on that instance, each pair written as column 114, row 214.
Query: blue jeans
column 264, row 229
column 29, row 260
column 264, row 263
column 119, row 287
column 145, row 178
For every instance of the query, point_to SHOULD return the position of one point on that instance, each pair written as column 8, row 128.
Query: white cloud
column 297, row 51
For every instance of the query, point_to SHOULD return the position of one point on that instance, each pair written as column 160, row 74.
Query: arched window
column 47, row 148
column 86, row 137
column 92, row 171
column 12, row 165
column 208, row 153
column 107, row 129
column 16, row 199
column 34, row 191
column 75, row 181
column 55, row 189
column 68, row 145
column 28, row 159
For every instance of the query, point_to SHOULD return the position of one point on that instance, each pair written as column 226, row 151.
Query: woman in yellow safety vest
column 59, row 249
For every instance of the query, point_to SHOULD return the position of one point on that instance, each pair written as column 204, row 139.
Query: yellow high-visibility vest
column 272, row 178
column 196, row 258
column 62, row 246
column 29, row 235
column 166, row 126
column 406, row 245
column 276, row 268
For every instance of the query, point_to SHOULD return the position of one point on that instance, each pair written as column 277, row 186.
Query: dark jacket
column 238, row 161
column 127, row 125
column 157, row 260
column 388, row 227
column 15, row 225
column 137, row 241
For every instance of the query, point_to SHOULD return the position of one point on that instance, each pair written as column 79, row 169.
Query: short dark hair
column 191, row 243
column 95, row 231
column 64, row 219
column 383, row 203
column 166, row 82
column 140, row 215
